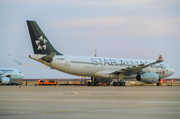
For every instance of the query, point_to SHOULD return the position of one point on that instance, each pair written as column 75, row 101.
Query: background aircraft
column 97, row 68
column 9, row 74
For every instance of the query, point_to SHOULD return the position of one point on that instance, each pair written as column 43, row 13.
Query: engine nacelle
column 5, row 80
column 1, row 72
column 148, row 77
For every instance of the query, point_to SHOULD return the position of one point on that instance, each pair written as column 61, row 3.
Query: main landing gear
column 159, row 83
column 93, row 82
column 119, row 83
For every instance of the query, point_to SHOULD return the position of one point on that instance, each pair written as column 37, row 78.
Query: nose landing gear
column 159, row 83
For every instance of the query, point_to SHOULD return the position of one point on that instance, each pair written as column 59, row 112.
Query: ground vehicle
column 47, row 82
column 13, row 83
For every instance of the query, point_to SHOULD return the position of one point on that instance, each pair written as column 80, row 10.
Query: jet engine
column 1, row 72
column 148, row 77
column 5, row 80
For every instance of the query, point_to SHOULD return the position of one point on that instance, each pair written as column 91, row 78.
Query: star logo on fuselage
column 41, row 43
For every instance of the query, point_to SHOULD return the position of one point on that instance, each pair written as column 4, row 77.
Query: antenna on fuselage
column 95, row 53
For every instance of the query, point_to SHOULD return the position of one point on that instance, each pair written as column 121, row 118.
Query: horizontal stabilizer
column 18, row 56
column 32, row 65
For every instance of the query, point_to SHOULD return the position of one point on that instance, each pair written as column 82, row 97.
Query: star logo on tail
column 40, row 41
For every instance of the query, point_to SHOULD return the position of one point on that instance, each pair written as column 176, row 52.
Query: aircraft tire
column 114, row 83
column 89, row 83
column 158, row 84
column 123, row 83
column 97, row 83
column 93, row 83
column 118, row 83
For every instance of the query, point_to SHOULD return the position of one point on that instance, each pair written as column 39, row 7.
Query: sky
column 132, row 29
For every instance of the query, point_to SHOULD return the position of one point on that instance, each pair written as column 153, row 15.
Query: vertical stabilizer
column 40, row 43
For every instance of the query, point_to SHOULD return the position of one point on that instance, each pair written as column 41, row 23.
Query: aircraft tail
column 40, row 43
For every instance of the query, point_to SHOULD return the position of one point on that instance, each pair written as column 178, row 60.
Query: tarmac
column 83, row 102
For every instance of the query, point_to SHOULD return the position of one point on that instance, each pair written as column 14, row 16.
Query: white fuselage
column 89, row 66
column 13, row 74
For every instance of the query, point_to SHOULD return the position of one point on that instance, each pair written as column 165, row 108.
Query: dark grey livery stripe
column 81, row 62
column 92, row 63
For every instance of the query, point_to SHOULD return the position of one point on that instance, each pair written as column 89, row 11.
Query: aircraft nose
column 22, row 75
column 172, row 71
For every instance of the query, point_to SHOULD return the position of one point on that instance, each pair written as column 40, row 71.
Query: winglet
column 160, row 59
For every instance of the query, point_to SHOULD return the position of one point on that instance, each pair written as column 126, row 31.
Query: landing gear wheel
column 93, row 83
column 114, row 83
column 123, row 83
column 118, row 83
column 158, row 84
column 97, row 83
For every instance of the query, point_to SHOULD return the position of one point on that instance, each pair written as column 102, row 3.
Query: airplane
column 9, row 74
column 98, row 68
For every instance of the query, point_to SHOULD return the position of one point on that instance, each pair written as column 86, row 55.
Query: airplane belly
column 75, row 70
column 58, row 65
column 14, row 77
column 81, row 70
column 130, row 76
column 87, row 71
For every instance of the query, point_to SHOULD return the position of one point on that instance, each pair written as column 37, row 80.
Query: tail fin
column 40, row 43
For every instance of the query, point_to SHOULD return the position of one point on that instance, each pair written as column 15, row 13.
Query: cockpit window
column 19, row 72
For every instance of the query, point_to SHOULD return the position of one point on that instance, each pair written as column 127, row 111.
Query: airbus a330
column 98, row 68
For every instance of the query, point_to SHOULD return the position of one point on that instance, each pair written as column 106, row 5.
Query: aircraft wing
column 4, row 74
column 138, row 69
